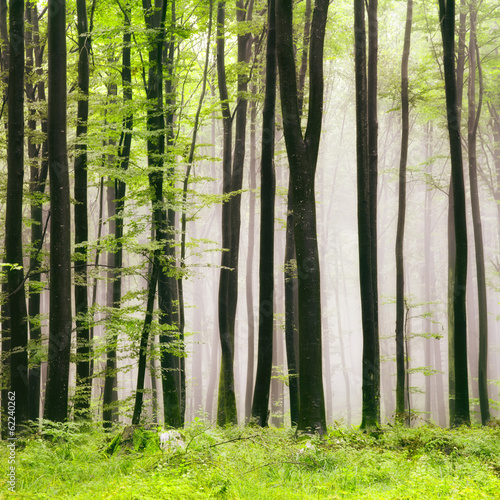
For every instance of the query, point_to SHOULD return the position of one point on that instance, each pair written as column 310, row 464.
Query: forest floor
column 74, row 461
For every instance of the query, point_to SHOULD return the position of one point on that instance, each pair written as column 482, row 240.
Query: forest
column 245, row 215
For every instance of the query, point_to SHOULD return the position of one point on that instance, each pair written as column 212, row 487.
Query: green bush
column 80, row 461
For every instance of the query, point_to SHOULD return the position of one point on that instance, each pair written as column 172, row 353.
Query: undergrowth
column 80, row 461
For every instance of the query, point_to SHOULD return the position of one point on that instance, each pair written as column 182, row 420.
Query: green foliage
column 81, row 461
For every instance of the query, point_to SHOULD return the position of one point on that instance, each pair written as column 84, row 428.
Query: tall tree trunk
column 115, row 260
column 302, row 153
column 38, row 178
column 226, row 405
column 249, row 268
column 372, row 96
column 451, row 221
column 371, row 362
column 143, row 348
column 400, row 299
column 18, row 357
column 174, row 315
column 260, row 406
column 56, row 394
column 473, row 122
column 4, row 60
column 83, row 381
column 290, row 274
column 155, row 20
column 458, row 364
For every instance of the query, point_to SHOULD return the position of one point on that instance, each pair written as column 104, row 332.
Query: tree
column 231, row 218
column 473, row 122
column 290, row 275
column 35, row 91
column 260, row 406
column 83, row 381
column 302, row 151
column 400, row 306
column 18, row 357
column 155, row 18
column 366, row 220
column 56, row 394
column 458, row 361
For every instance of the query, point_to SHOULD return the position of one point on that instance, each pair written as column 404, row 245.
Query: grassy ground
column 74, row 462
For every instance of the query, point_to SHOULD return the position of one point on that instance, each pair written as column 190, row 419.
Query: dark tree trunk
column 173, row 315
column 290, row 274
column 115, row 258
column 83, row 381
column 302, row 153
column 458, row 364
column 371, row 362
column 56, row 394
column 226, row 405
column 143, row 348
column 18, row 383
column 476, row 219
column 400, row 299
column 38, row 178
column 4, row 60
column 291, row 313
column 260, row 406
column 155, row 19
column 372, row 96
column 451, row 221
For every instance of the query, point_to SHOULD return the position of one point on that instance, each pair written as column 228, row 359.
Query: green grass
column 73, row 462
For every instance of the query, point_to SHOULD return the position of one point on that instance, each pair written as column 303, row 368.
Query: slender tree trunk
column 56, row 393
column 83, row 381
column 291, row 310
column 458, row 364
column 162, row 223
column 371, row 363
column 6, row 343
column 18, row 383
column 226, row 406
column 113, row 299
column 250, row 254
column 290, row 274
column 476, row 220
column 141, row 364
column 260, row 406
column 174, row 314
column 400, row 300
column 39, row 171
column 372, row 89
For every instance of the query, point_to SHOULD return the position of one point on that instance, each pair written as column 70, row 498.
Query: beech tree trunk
column 473, row 122
column 18, row 356
column 83, row 381
column 371, row 361
column 38, row 179
column 302, row 153
column 56, row 393
column 249, row 271
column 458, row 362
column 400, row 300
column 260, row 406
